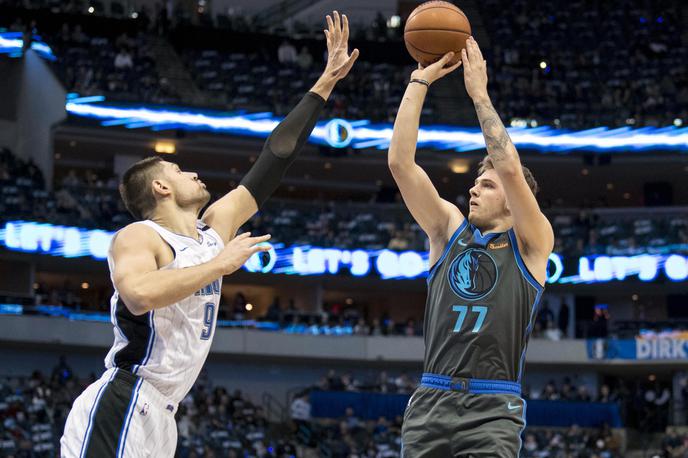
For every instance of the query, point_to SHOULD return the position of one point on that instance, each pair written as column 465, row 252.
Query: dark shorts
column 442, row 423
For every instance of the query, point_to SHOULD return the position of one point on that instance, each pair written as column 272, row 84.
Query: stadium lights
column 165, row 148
column 459, row 166
column 339, row 133
column 12, row 43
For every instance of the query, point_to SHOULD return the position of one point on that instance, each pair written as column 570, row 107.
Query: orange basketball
column 433, row 29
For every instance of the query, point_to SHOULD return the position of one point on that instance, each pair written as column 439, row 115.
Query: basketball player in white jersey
column 167, row 271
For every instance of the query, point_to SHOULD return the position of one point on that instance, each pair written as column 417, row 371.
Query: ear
column 161, row 188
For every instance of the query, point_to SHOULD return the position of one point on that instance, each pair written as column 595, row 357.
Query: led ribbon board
column 11, row 43
column 73, row 242
column 340, row 133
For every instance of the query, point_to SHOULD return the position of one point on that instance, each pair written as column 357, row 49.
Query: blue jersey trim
column 481, row 239
column 540, row 289
column 521, row 265
column 529, row 329
column 525, row 423
column 447, row 247
column 473, row 386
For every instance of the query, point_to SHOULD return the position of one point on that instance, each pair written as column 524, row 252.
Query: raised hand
column 239, row 249
column 435, row 71
column 474, row 70
column 339, row 61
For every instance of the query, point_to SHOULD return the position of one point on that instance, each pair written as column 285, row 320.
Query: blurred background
column 317, row 351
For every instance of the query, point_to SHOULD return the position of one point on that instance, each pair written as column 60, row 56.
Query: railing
column 274, row 409
column 280, row 11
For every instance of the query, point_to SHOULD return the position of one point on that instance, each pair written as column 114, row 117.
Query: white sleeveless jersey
column 167, row 347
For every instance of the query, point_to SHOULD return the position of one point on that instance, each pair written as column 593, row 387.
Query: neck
column 178, row 220
column 498, row 226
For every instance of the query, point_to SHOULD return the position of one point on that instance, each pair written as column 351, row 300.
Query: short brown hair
column 136, row 189
column 486, row 164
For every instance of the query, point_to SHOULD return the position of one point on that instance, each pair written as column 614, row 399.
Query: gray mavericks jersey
column 480, row 308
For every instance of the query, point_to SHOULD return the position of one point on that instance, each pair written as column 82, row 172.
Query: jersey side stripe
column 137, row 330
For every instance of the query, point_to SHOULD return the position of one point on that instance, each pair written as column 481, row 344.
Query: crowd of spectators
column 579, row 64
column 564, row 389
column 118, row 64
column 567, row 390
column 33, row 411
column 382, row 382
column 91, row 200
column 644, row 404
column 212, row 421
column 121, row 67
column 88, row 201
column 573, row 442
column 275, row 80
column 215, row 421
column 600, row 64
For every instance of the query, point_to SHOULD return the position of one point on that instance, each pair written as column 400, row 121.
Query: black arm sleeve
column 281, row 148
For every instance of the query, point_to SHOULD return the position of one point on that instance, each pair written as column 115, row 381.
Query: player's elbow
column 397, row 164
column 509, row 167
column 138, row 301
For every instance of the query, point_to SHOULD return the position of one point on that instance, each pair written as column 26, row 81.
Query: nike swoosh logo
column 510, row 407
column 184, row 248
column 462, row 243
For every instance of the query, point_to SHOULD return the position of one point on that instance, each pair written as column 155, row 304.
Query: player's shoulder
column 136, row 235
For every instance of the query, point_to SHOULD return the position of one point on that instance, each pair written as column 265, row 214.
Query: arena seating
column 604, row 63
column 88, row 200
column 591, row 70
column 215, row 420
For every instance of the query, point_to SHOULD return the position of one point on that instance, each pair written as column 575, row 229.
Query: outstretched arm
column 532, row 228
column 284, row 143
column 138, row 254
column 436, row 216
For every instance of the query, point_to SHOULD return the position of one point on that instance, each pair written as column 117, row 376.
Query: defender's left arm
column 286, row 140
column 533, row 230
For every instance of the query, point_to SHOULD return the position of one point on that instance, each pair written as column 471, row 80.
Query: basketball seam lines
column 457, row 10
column 437, row 30
column 426, row 52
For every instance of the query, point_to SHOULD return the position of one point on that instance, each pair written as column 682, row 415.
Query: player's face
column 188, row 190
column 488, row 201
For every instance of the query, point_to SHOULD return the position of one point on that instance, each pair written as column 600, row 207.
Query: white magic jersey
column 168, row 346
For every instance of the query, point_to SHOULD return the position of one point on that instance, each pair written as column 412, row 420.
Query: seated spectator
column 305, row 60
column 286, row 53
column 123, row 60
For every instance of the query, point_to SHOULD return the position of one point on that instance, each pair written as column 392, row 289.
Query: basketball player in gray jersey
column 486, row 279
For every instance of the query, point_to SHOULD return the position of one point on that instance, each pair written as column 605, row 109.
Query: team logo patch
column 473, row 274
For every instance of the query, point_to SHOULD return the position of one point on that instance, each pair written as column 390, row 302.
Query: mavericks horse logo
column 473, row 274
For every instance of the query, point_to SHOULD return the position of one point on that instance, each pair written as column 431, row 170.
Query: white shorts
column 120, row 415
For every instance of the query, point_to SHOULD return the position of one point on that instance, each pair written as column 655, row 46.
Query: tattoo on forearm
column 497, row 139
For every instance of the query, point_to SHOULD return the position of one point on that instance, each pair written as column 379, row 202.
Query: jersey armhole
column 174, row 252
column 522, row 265
column 447, row 247
column 209, row 229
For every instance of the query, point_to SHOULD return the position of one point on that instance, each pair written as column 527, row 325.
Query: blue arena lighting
column 306, row 260
column 340, row 133
column 11, row 43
